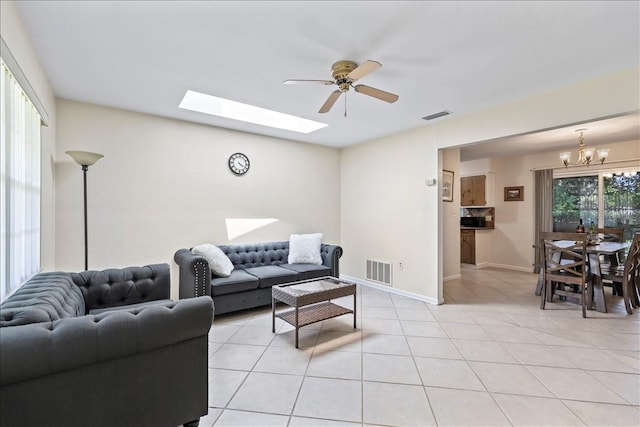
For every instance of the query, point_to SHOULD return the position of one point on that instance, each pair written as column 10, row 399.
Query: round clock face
column 239, row 163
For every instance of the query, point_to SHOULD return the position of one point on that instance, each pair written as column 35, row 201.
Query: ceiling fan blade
column 295, row 82
column 377, row 93
column 330, row 101
column 364, row 69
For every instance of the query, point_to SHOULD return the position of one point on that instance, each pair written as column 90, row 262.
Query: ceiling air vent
column 436, row 115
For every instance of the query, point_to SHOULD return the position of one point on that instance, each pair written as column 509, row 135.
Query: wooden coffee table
column 311, row 301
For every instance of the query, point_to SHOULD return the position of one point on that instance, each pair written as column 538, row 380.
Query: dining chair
column 611, row 234
column 566, row 264
column 627, row 275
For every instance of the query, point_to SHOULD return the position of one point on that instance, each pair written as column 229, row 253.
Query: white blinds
column 20, row 186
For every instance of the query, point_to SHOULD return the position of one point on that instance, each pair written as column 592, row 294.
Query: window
column 574, row 199
column 621, row 205
column 20, row 185
column 604, row 198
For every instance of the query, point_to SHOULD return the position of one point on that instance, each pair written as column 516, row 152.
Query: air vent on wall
column 436, row 115
column 379, row 272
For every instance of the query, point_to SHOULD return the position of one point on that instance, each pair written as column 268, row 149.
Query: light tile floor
column 488, row 356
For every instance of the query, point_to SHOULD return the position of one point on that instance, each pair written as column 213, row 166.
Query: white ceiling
column 596, row 133
column 459, row 56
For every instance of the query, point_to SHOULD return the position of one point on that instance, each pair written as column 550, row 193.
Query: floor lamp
column 85, row 159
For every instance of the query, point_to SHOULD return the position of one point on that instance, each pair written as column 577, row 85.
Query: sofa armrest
column 123, row 286
column 331, row 258
column 195, row 274
column 40, row 349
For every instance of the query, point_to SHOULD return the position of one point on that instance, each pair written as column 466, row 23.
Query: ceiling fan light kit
column 344, row 74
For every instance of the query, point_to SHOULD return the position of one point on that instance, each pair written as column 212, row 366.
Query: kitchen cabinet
column 475, row 247
column 468, row 246
column 477, row 190
column 472, row 190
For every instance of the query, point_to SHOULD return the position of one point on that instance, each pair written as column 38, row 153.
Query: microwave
column 472, row 221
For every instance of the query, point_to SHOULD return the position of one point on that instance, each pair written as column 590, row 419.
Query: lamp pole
column 85, row 159
column 85, row 168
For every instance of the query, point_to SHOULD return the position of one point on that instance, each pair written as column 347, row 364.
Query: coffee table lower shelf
column 313, row 313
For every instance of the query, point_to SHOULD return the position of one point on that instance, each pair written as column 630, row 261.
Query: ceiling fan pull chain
column 345, row 104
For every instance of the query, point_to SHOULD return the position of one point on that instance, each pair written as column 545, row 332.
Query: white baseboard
column 454, row 277
column 513, row 267
column 501, row 266
column 478, row 266
column 390, row 289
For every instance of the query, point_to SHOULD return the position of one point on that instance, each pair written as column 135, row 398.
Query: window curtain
column 544, row 211
column 20, row 185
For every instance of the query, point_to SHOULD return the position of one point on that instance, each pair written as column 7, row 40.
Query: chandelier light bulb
column 603, row 153
column 588, row 154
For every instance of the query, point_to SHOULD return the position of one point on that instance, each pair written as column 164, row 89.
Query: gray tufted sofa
column 257, row 267
column 103, row 348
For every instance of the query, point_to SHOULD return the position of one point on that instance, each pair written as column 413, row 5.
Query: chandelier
column 585, row 155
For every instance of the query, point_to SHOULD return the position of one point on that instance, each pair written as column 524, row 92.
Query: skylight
column 208, row 104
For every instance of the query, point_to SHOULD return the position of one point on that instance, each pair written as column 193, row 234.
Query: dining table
column 608, row 250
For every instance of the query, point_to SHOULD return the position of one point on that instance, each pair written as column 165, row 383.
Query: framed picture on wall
column 447, row 186
column 514, row 194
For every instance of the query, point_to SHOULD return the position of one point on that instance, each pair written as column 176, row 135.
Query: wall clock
column 239, row 163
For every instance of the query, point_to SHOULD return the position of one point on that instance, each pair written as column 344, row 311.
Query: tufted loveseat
column 103, row 348
column 257, row 267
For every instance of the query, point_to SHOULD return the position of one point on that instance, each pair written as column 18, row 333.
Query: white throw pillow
column 219, row 263
column 305, row 248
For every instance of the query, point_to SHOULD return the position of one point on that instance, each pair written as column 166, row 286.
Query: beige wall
column 164, row 184
column 17, row 39
column 385, row 216
column 401, row 222
column 451, row 218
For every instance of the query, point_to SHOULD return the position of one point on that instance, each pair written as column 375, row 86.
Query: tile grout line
column 518, row 304
column 415, row 365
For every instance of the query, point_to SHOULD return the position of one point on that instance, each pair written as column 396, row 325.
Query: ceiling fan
column 344, row 74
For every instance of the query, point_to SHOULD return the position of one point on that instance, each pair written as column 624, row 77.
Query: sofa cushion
column 270, row 275
column 124, row 286
column 219, row 263
column 44, row 298
column 258, row 254
column 165, row 302
column 308, row 271
column 238, row 281
column 305, row 249
column 44, row 349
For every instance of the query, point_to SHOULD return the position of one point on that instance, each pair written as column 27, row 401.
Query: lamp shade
column 84, row 158
column 603, row 154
